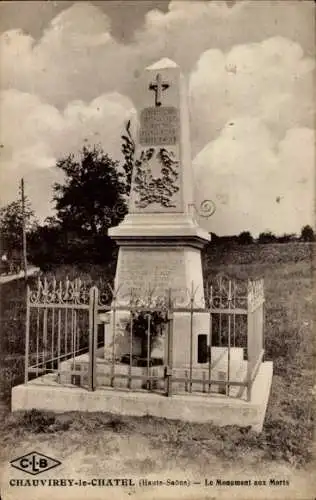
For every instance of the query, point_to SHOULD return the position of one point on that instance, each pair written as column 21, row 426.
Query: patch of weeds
column 62, row 423
column 35, row 421
column 287, row 441
column 11, row 374
column 279, row 440
column 93, row 422
column 116, row 423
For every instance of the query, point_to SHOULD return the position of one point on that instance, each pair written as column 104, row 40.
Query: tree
column 266, row 237
column 11, row 224
column 93, row 197
column 245, row 238
column 307, row 233
column 287, row 238
column 47, row 246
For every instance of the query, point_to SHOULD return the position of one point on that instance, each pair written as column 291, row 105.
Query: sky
column 69, row 75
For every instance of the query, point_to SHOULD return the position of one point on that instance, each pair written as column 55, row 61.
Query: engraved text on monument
column 159, row 126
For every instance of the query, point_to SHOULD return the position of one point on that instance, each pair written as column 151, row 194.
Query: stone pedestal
column 158, row 267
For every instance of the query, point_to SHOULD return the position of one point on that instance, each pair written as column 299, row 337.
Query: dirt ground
column 136, row 452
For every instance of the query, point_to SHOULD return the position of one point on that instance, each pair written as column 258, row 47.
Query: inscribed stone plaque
column 159, row 126
column 159, row 269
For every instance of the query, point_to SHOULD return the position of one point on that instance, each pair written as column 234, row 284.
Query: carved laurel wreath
column 156, row 190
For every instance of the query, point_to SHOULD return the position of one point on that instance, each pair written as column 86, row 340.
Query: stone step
column 77, row 372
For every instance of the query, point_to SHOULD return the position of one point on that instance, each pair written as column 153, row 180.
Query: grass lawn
column 108, row 446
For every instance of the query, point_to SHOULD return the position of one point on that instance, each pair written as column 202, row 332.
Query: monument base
column 45, row 394
column 156, row 269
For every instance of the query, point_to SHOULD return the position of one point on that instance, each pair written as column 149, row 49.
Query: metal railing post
column 229, row 336
column 93, row 328
column 249, row 353
column 170, row 346
column 148, row 383
column 45, row 346
column 113, row 338
column 130, row 350
column 191, row 338
column 58, row 343
column 210, row 306
column 27, row 336
column 263, row 326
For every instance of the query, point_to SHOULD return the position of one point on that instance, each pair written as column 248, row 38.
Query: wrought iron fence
column 58, row 325
column 91, row 336
column 255, row 340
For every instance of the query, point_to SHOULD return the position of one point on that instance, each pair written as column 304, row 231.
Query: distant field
column 269, row 253
column 287, row 436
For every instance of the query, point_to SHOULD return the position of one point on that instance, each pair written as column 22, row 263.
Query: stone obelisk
column 159, row 239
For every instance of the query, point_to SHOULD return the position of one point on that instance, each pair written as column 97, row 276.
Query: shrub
column 245, row 238
column 307, row 234
column 287, row 441
column 37, row 421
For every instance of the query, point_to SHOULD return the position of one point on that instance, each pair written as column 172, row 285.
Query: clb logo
column 34, row 463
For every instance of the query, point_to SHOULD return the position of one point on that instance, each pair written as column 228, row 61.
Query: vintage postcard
column 158, row 242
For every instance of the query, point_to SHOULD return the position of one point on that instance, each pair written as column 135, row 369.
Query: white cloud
column 190, row 28
column 271, row 80
column 255, row 183
column 76, row 58
column 250, row 89
column 255, row 102
column 34, row 135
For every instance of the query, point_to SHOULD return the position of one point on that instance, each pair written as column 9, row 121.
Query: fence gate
column 60, row 318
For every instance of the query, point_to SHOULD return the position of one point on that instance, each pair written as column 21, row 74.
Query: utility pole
column 23, row 229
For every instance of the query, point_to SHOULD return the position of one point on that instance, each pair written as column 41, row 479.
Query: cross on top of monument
column 158, row 87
